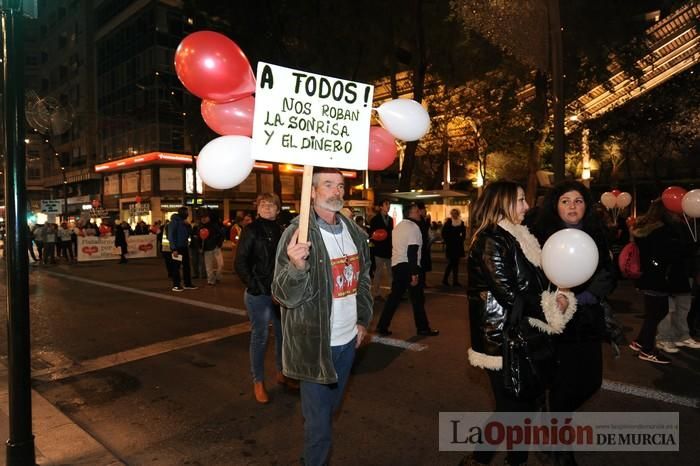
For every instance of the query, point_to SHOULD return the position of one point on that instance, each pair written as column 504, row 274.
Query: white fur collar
column 527, row 241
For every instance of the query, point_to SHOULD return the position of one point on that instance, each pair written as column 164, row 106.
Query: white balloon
column 405, row 119
column 569, row 258
column 225, row 161
column 609, row 200
column 691, row 203
column 623, row 200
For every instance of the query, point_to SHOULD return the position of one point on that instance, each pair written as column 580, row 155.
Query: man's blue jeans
column 319, row 402
column 261, row 311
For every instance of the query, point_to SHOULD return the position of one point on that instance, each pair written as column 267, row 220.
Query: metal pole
column 20, row 445
column 557, row 88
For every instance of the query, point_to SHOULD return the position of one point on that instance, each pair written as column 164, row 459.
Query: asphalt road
column 162, row 378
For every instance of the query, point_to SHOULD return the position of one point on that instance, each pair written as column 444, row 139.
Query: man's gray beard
column 332, row 205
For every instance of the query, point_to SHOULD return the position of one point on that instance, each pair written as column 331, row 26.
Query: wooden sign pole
column 305, row 207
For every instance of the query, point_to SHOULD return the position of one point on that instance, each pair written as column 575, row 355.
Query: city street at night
column 163, row 378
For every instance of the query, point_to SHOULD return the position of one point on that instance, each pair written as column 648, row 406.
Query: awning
column 428, row 195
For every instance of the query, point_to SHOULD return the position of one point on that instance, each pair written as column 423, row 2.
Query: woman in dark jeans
column 255, row 265
column 663, row 256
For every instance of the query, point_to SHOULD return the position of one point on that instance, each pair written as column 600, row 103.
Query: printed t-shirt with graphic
column 345, row 273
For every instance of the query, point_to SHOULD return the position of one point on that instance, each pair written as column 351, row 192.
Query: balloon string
column 693, row 234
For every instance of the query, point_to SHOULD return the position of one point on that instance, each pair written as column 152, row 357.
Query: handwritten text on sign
column 310, row 119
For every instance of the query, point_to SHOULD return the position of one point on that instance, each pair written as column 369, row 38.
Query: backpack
column 630, row 262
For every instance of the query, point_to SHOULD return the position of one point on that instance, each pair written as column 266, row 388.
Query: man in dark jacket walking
column 178, row 235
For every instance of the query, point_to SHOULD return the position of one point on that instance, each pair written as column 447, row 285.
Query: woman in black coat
column 578, row 349
column 504, row 269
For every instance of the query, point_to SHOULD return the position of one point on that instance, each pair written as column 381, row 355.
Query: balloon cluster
column 212, row 67
column 615, row 200
column 402, row 119
column 687, row 203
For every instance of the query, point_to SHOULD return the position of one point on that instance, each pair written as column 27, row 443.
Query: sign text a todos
column 310, row 119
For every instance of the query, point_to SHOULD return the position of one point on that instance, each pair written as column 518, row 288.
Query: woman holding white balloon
column 504, row 267
column 579, row 373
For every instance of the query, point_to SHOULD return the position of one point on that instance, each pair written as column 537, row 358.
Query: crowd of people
column 317, row 294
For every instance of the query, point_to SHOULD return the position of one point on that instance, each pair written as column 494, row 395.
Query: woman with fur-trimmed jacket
column 504, row 263
column 578, row 349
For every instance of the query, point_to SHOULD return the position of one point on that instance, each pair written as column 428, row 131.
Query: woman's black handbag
column 528, row 357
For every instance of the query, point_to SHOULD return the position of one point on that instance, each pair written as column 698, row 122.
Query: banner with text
column 99, row 248
column 310, row 119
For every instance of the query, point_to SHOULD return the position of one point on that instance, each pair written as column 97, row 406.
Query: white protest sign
column 310, row 119
column 50, row 206
column 95, row 248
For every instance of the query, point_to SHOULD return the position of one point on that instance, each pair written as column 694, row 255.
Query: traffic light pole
column 20, row 445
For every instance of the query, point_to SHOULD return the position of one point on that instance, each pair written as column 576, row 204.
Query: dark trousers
column 175, row 268
column 505, row 403
column 30, row 246
column 655, row 309
column 452, row 266
column 578, row 375
column 123, row 254
column 401, row 281
column 167, row 257
column 67, row 250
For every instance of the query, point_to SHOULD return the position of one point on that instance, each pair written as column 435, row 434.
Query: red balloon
column 213, row 67
column 138, row 199
column 616, row 192
column 230, row 118
column 672, row 197
column 382, row 149
column 204, row 233
column 380, row 235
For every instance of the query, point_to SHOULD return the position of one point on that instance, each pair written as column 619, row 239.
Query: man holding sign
column 323, row 287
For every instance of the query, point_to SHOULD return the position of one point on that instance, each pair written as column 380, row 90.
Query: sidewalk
column 58, row 440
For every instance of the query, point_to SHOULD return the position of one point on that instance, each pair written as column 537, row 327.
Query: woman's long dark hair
column 547, row 222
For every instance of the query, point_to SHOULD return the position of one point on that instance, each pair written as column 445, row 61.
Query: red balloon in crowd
column 672, row 197
column 382, row 149
column 230, row 118
column 211, row 66
column 138, row 199
column 380, row 235
column 616, row 192
column 204, row 234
